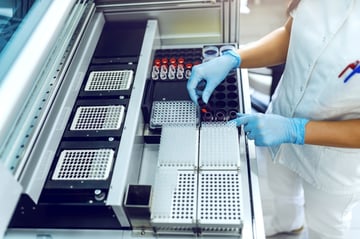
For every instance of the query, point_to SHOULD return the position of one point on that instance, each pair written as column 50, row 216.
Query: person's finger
column 242, row 119
column 250, row 135
column 191, row 87
column 209, row 89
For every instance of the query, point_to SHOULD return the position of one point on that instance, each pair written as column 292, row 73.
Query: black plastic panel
column 119, row 41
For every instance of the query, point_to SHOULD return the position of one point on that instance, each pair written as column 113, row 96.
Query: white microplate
column 219, row 146
column 109, row 80
column 178, row 146
column 98, row 118
column 173, row 112
column 87, row 164
column 174, row 200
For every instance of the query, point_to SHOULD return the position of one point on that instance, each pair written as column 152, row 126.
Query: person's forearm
column 269, row 50
column 344, row 133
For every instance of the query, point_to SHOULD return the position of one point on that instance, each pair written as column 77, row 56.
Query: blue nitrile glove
column 271, row 129
column 213, row 72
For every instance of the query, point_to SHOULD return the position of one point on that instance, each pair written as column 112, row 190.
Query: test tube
column 188, row 65
column 220, row 115
column 171, row 75
column 164, row 61
column 164, row 69
column 187, row 74
column 157, row 62
column 226, row 48
column 180, row 75
column 207, row 116
column 180, row 68
column 210, row 52
column 155, row 69
column 232, row 115
column 154, row 75
column 181, row 60
column 172, row 69
column 163, row 75
column 173, row 61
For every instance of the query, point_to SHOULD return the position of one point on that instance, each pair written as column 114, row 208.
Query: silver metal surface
column 89, row 164
column 40, row 157
column 250, row 154
column 235, row 21
column 98, row 118
column 127, row 164
column 110, row 3
column 109, row 80
column 204, row 17
column 34, row 78
column 226, row 21
column 10, row 191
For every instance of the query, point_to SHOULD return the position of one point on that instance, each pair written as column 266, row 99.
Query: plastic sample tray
column 219, row 146
column 174, row 201
column 204, row 199
column 98, row 118
column 179, row 146
column 219, row 202
column 173, row 112
column 109, row 80
column 84, row 164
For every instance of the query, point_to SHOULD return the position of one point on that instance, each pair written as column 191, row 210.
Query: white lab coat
column 324, row 40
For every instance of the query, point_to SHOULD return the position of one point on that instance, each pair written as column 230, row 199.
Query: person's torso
column 323, row 42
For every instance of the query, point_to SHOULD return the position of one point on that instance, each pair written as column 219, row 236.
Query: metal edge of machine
column 253, row 174
column 38, row 165
column 10, row 189
column 44, row 75
column 172, row 17
column 127, row 166
column 34, row 62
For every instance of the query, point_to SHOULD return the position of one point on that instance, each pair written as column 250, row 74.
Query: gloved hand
column 271, row 129
column 213, row 72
